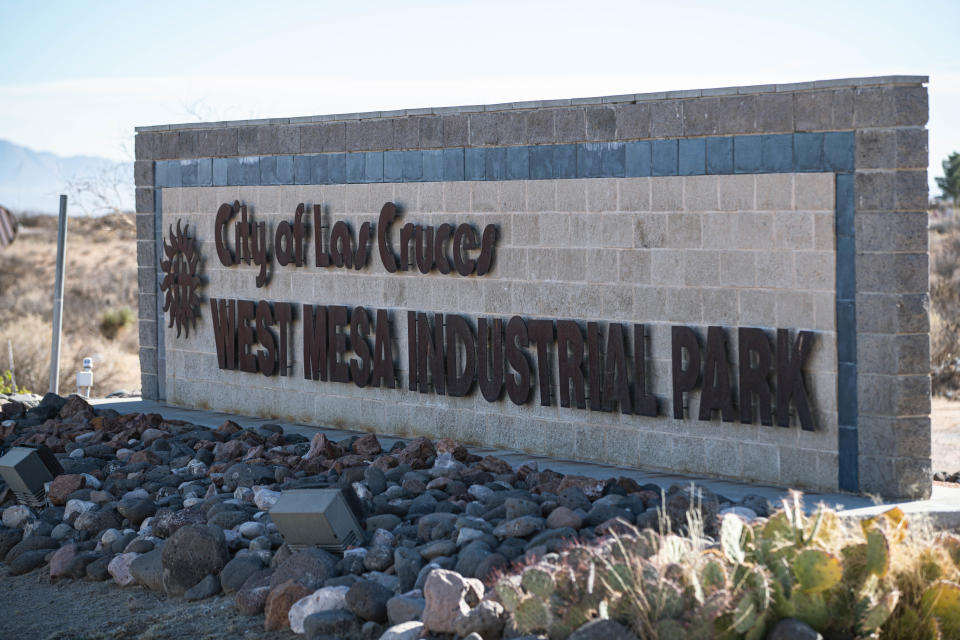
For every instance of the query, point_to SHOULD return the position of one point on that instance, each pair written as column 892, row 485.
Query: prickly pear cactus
column 817, row 570
column 538, row 582
column 532, row 614
column 941, row 601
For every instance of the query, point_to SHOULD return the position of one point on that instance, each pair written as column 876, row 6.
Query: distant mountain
column 32, row 181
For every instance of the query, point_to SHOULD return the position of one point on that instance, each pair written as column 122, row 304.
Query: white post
column 13, row 370
column 58, row 297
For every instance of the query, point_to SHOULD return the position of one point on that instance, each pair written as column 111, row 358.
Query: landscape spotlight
column 26, row 469
column 321, row 518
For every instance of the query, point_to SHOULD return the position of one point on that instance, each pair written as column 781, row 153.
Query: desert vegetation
column 100, row 296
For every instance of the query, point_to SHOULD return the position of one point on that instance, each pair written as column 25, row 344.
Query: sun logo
column 181, row 281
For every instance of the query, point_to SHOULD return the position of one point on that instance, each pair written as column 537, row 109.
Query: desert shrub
column 115, row 364
column 7, row 385
column 112, row 321
column 845, row 578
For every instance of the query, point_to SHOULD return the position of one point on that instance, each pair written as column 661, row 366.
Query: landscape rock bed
column 182, row 509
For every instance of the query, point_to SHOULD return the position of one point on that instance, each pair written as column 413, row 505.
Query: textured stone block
column 887, row 231
column 912, row 151
column 148, row 386
column 143, row 173
column 588, row 161
column 453, row 164
column 612, row 159
column 911, row 105
column 601, row 123
column 565, row 161
column 633, row 121
column 513, row 128
column 838, row 151
column 323, row 137
column 748, row 154
column 144, row 200
column 518, row 163
column 911, row 188
column 875, row 191
column 808, row 151
column 637, row 159
column 907, row 478
column 485, row 128
column 904, row 354
column 432, row 165
column 737, row 114
column 775, row 112
column 876, row 149
column 187, row 145
column 373, row 166
column 369, row 135
column 700, row 117
column 431, row 132
column 737, row 193
column 540, row 126
column 776, row 153
column 406, row 133
column 666, row 119
column 495, row 163
column 874, row 107
column 570, row 125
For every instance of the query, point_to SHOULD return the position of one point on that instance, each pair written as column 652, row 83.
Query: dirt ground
column 946, row 435
column 33, row 608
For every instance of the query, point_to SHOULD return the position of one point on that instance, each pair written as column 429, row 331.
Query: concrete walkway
column 943, row 506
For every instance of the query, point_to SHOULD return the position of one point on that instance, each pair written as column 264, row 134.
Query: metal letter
column 684, row 380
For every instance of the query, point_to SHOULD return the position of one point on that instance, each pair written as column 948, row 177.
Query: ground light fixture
column 325, row 518
column 27, row 469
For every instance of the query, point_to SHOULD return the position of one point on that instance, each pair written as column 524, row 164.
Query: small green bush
column 6, row 384
column 843, row 577
column 113, row 320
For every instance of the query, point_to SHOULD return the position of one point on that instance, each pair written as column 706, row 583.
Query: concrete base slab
column 943, row 507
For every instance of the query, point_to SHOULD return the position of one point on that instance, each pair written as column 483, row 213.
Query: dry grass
column 101, row 275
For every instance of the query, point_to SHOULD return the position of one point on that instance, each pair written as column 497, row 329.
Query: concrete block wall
column 804, row 203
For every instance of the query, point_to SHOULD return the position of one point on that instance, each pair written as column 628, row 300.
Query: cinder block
column 432, row 160
column 738, row 268
column 719, row 155
column 892, row 354
column 747, row 154
column 495, row 163
column 323, row 137
column 684, row 230
column 601, row 123
column 838, row 151
column 875, row 191
column 664, row 158
column 737, row 114
column 905, row 478
column 650, row 231
column 565, row 161
column 666, row 119
column 701, row 268
column 145, row 226
column 146, row 145
column 758, row 307
column 720, row 307
column 777, row 153
column 892, row 272
column 798, row 467
column 542, row 196
column 886, row 231
column 813, row 110
column 144, row 200
column 372, row 166
column 815, row 192
column 700, row 117
column 774, row 191
column 612, row 159
column 541, row 162
column 485, row 128
column 753, row 230
column 637, row 159
column 761, row 462
column 540, row 126
column 912, row 150
column 369, row 135
column 876, row 149
column 187, row 144
column 911, row 190
column 455, row 130
column 692, row 157
column 723, row 457
column 518, row 163
column 737, row 193
column 588, row 161
column 148, row 386
column 633, row 121
column 667, row 267
column 874, row 107
column 356, row 168
column 808, row 151
column 666, row 194
column 474, row 164
column 911, row 105
column 775, row 112
column 570, row 125
column 700, row 193
column 453, row 164
column 412, row 166
column 513, row 128
column 143, row 173
column 406, row 133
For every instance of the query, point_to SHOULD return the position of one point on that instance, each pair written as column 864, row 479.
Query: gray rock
column 602, row 513
column 470, row 558
column 519, row 527
column 426, row 524
column 228, row 519
column 147, row 570
column 236, row 572
column 94, row 521
column 793, row 629
column 309, row 567
column 404, row 631
column 404, row 608
column 337, row 623
column 28, row 561
column 121, row 543
column 206, row 588
column 247, row 475
column 137, row 510
column 138, row 545
column 252, row 597
column 376, row 481
column 438, row 548
column 97, row 569
column 574, row 498
column 192, row 553
column 386, row 521
column 9, row 538
column 759, row 504
column 486, row 620
column 680, row 499
column 35, row 543
column 37, row 528
column 602, row 630
column 517, row 507
column 490, row 564
column 407, row 563
column 78, row 566
column 378, row 559
column 368, row 600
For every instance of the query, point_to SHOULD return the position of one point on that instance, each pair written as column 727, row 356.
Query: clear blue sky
column 76, row 77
